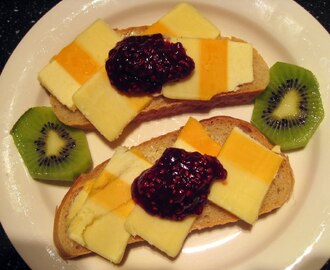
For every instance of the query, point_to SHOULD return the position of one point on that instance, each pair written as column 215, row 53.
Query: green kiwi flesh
column 50, row 149
column 290, row 109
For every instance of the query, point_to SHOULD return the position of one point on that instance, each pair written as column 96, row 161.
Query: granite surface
column 18, row 16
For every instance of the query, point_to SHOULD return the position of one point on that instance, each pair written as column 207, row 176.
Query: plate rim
column 61, row 5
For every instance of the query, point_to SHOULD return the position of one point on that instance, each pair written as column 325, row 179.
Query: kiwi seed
column 290, row 109
column 50, row 150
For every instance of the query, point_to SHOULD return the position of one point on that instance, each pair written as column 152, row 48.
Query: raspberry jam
column 178, row 184
column 142, row 64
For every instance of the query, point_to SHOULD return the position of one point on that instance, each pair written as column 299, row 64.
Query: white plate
column 296, row 236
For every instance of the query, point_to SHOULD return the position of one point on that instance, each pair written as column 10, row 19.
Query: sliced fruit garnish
column 290, row 109
column 50, row 150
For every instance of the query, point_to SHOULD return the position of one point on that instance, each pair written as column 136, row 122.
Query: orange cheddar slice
column 251, row 167
column 78, row 62
column 118, row 190
column 193, row 137
column 220, row 66
column 213, row 68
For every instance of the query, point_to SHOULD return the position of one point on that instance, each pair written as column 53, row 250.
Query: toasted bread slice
column 162, row 107
column 218, row 128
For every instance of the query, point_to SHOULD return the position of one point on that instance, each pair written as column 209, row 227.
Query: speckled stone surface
column 18, row 16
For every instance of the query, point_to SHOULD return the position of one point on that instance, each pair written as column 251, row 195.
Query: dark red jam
column 142, row 64
column 178, row 184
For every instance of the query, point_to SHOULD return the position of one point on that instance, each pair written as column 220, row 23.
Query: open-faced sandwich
column 209, row 173
column 87, row 82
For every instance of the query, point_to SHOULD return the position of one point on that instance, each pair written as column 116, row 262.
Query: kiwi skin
column 69, row 156
column 289, row 131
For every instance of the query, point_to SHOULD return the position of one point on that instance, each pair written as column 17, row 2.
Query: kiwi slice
column 290, row 109
column 50, row 150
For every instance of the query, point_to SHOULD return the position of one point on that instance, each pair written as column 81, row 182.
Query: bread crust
column 163, row 107
column 218, row 128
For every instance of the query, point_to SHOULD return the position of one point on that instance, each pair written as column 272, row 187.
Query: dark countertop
column 17, row 17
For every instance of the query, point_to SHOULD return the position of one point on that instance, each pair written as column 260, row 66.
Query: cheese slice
column 165, row 234
column 220, row 66
column 184, row 21
column 79, row 200
column 194, row 137
column 78, row 61
column 107, row 235
column 99, row 212
column 251, row 167
column 169, row 235
column 106, row 108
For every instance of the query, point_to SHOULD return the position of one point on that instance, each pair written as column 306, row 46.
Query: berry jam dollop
column 142, row 64
column 178, row 184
